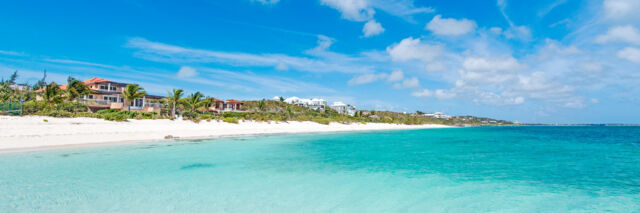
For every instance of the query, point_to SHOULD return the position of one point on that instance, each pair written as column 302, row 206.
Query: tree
column 51, row 94
column 14, row 76
column 75, row 89
column 174, row 97
column 281, row 99
column 194, row 101
column 42, row 82
column 261, row 105
column 131, row 93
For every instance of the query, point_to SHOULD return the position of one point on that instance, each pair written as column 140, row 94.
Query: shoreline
column 32, row 133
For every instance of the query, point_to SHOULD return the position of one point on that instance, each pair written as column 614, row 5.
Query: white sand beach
column 33, row 133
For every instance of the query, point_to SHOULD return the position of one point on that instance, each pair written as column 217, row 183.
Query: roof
column 216, row 100
column 234, row 101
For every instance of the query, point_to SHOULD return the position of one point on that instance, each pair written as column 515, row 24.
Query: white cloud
column 438, row 93
column 410, row 49
column 396, row 75
column 363, row 10
column 631, row 54
column 267, row 1
column 324, row 62
column 619, row 9
column 372, row 28
column 4, row 52
column 407, row 83
column 626, row 34
column 366, row 78
column 355, row 10
column 186, row 72
column 450, row 26
column 485, row 64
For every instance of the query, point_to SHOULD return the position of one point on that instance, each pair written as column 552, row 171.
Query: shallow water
column 493, row 169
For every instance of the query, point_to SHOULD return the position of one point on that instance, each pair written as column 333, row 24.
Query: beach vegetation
column 131, row 93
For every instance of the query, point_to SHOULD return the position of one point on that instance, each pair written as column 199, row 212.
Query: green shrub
column 231, row 120
column 88, row 115
column 324, row 121
column 115, row 116
column 72, row 107
column 55, row 113
column 31, row 107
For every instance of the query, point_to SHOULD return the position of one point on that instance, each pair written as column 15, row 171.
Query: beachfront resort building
column 107, row 94
column 314, row 104
column 344, row 108
column 437, row 115
column 220, row 106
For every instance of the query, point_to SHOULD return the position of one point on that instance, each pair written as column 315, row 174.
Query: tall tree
column 174, row 97
column 14, row 76
column 194, row 101
column 131, row 93
column 75, row 89
column 42, row 82
column 51, row 94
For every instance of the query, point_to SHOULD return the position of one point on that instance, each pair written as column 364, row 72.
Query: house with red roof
column 220, row 106
column 107, row 94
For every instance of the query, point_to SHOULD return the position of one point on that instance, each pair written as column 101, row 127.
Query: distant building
column 344, row 108
column 439, row 115
column 220, row 106
column 20, row 87
column 314, row 104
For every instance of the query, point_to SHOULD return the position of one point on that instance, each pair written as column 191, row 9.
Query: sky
column 546, row 61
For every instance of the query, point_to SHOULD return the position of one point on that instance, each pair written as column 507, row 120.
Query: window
column 103, row 87
column 112, row 88
column 90, row 97
column 110, row 98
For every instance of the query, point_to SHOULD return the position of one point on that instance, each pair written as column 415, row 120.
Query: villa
column 314, row 104
column 220, row 106
column 437, row 115
column 344, row 108
column 107, row 94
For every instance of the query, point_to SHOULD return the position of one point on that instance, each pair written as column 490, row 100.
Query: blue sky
column 552, row 61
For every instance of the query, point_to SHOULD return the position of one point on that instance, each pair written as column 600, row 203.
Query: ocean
column 477, row 169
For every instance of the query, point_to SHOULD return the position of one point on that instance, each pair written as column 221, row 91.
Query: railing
column 12, row 108
column 158, row 105
column 95, row 102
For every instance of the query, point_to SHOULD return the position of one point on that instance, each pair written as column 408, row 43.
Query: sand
column 29, row 133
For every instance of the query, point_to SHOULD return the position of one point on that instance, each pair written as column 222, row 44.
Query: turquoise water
column 494, row 169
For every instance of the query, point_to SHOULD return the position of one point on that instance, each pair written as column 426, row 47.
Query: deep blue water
column 488, row 169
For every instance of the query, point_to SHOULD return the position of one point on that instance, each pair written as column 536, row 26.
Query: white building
column 438, row 115
column 344, row 108
column 314, row 104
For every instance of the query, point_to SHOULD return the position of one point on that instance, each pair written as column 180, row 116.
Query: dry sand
column 33, row 133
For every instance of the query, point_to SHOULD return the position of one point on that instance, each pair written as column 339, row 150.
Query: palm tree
column 261, row 105
column 174, row 97
column 52, row 94
column 194, row 101
column 131, row 93
column 75, row 89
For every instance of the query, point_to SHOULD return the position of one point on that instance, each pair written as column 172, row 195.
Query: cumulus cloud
column 414, row 49
column 625, row 34
column 631, row 54
column 186, row 72
column 619, row 9
column 450, row 26
column 355, row 10
column 396, row 75
column 372, row 28
column 407, row 83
